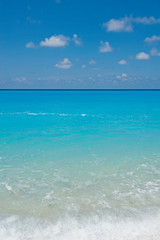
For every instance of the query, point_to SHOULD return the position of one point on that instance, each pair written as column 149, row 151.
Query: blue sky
column 79, row 44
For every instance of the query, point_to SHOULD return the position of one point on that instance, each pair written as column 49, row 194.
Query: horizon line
column 82, row 89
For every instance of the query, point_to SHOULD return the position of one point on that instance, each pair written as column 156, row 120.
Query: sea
column 79, row 165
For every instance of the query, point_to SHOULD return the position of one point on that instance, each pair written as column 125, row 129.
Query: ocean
column 79, row 165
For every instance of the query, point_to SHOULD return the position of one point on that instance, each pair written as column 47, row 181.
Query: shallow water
column 79, row 165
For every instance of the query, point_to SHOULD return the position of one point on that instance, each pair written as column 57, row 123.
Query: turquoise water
column 79, row 165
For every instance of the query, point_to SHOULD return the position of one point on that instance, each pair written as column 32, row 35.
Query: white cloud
column 126, row 24
column 142, row 56
column 105, row 47
column 152, row 39
column 92, row 62
column 123, row 62
column 122, row 77
column 154, row 52
column 51, row 78
column 118, row 25
column 83, row 66
column 64, row 64
column 77, row 40
column 146, row 20
column 30, row 45
column 20, row 79
column 55, row 41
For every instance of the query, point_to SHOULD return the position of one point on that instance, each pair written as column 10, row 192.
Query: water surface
column 79, row 165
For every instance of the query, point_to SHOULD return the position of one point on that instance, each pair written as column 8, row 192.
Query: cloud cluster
column 105, row 47
column 57, row 41
column 146, row 56
column 126, row 24
column 122, row 77
column 64, row 64
column 20, row 79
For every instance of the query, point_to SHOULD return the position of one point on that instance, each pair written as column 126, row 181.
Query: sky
column 79, row 44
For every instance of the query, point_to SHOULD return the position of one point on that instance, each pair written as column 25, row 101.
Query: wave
column 143, row 228
column 97, row 115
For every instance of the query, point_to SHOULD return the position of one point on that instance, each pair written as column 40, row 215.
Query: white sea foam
column 9, row 188
column 145, row 228
column 44, row 113
column 34, row 114
column 6, row 185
